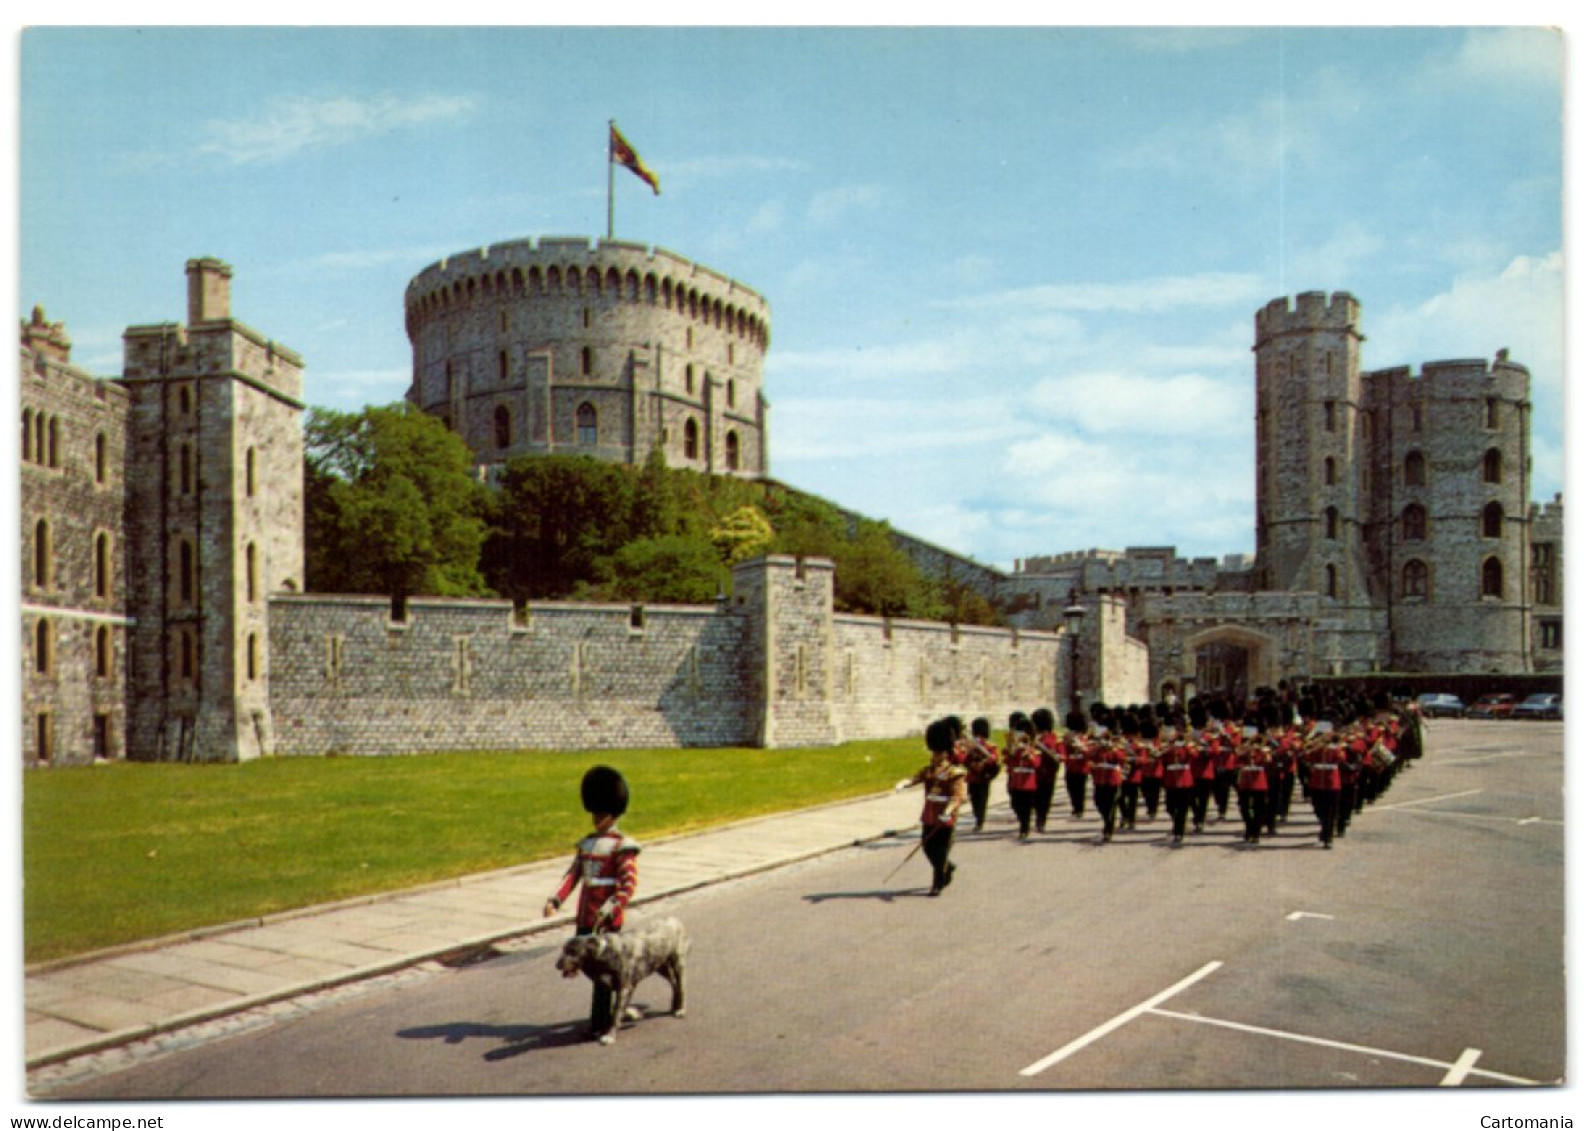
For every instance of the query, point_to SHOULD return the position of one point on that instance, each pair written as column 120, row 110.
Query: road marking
column 1461, row 1069
column 1297, row 915
column 1483, row 758
column 1118, row 1021
column 1343, row 1046
column 1427, row 800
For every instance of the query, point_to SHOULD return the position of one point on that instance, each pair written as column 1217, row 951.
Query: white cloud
column 1525, row 55
column 1189, row 405
column 293, row 124
column 831, row 206
column 1135, row 297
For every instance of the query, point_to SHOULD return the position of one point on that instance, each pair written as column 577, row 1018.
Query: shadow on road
column 515, row 1039
column 884, row 895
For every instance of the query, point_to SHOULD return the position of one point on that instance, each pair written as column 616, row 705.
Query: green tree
column 555, row 518
column 874, row 577
column 675, row 569
column 743, row 534
column 392, row 505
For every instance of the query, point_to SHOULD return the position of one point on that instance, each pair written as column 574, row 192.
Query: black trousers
column 1128, row 803
column 1178, row 802
column 937, row 850
column 1222, row 790
column 1105, row 799
column 1253, row 805
column 1044, row 791
column 1201, row 800
column 1151, row 788
column 979, row 801
column 602, row 1011
column 1326, row 803
column 1077, row 786
column 1022, row 808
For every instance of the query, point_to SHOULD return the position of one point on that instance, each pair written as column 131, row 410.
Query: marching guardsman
column 1141, row 763
column 1023, row 757
column 1205, row 754
column 606, row 864
column 1152, row 769
column 1284, row 746
column 983, row 763
column 1074, row 753
column 1322, row 763
column 1178, row 780
column 945, row 791
column 1050, row 765
column 1229, row 736
column 1108, row 764
column 1252, row 764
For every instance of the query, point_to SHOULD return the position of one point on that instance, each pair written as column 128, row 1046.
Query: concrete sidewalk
column 107, row 999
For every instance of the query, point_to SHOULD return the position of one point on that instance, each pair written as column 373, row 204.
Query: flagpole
column 610, row 185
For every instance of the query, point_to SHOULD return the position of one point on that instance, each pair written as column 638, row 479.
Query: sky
column 1012, row 271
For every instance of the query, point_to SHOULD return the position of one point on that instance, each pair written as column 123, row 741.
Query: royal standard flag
column 624, row 154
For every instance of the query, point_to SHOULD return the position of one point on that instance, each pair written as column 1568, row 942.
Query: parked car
column 1440, row 705
column 1542, row 705
column 1498, row 706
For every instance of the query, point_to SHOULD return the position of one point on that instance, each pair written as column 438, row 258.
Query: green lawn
column 128, row 851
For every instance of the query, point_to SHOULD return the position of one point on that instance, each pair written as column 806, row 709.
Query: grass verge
column 117, row 853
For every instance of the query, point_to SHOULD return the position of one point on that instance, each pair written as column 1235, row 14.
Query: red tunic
column 1325, row 768
column 607, row 866
column 1177, row 759
column 1023, row 766
column 1252, row 761
column 1075, row 754
column 945, row 787
column 1107, row 764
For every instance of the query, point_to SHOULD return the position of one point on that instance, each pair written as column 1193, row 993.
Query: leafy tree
column 555, row 518
column 675, row 569
column 873, row 576
column 743, row 534
column 392, row 505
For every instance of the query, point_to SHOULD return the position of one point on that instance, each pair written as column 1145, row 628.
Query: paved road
column 1425, row 950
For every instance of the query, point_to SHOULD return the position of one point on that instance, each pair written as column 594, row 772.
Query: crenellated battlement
column 1313, row 311
column 573, row 267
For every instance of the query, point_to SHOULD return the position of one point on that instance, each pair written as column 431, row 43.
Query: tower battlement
column 1313, row 311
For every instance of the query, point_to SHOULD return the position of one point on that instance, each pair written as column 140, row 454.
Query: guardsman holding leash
column 606, row 864
column 945, row 791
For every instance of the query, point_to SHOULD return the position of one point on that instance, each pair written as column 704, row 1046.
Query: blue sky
column 1012, row 271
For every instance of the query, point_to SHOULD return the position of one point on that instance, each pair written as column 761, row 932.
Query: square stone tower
column 215, row 505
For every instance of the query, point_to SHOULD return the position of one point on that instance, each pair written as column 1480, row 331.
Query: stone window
column 1491, row 520
column 186, row 572
column 586, row 361
column 1492, row 466
column 183, row 400
column 250, row 472
column 44, row 647
column 1491, row 412
column 1541, row 558
column 1416, row 418
column 1330, row 416
column 1332, row 521
column 733, row 451
column 101, row 737
column 1413, row 523
column 731, row 394
column 44, row 736
column 1551, row 634
column 101, row 458
column 104, row 655
column 43, row 555
column 252, row 656
column 501, row 366
column 27, row 435
column 503, row 426
column 690, row 439
column 1415, row 579
column 101, row 564
column 1414, row 469
column 690, row 380
column 1491, row 578
column 1331, row 581
column 250, row 568
column 1330, row 472
column 184, row 469
column 186, row 656
column 587, row 425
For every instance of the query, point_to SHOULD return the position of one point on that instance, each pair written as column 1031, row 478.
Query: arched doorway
column 1232, row 660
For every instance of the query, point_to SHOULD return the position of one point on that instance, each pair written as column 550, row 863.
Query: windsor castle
column 165, row 614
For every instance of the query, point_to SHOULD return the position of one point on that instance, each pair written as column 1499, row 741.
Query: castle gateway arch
column 1233, row 659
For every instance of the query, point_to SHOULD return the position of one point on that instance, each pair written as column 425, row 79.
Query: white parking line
column 1427, row 800
column 1118, row 1021
column 1467, row 1069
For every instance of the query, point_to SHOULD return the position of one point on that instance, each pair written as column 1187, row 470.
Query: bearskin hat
column 604, row 791
column 939, row 738
column 1043, row 720
column 1077, row 721
column 980, row 728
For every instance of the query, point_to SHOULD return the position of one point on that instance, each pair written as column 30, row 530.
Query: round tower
column 608, row 349
column 1310, row 440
